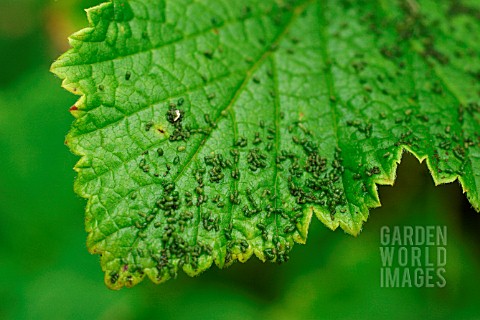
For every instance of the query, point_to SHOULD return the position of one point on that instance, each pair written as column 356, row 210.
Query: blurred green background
column 47, row 273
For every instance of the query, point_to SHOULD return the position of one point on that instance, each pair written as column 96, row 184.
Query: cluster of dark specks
column 179, row 252
column 217, row 163
column 263, row 229
column 114, row 276
column 236, row 159
column 321, row 185
column 235, row 198
column 414, row 26
column 180, row 133
column 175, row 117
column 256, row 159
column 242, row 142
column 372, row 171
column 408, row 139
column 315, row 181
column 473, row 108
column 170, row 202
column 365, row 128
column 240, row 244
column 308, row 145
column 254, row 207
column 211, row 222
column 199, row 189
column 279, row 252
column 218, row 201
column 312, row 179
column 175, row 249
column 149, row 167
column 228, row 233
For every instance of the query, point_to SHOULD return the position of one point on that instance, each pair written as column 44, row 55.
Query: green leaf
column 212, row 130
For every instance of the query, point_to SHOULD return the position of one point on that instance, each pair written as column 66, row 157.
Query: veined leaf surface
column 212, row 130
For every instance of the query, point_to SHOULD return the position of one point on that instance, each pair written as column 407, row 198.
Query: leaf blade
column 263, row 114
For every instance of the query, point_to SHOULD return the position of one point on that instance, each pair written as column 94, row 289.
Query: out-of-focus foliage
column 48, row 274
column 33, row 32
